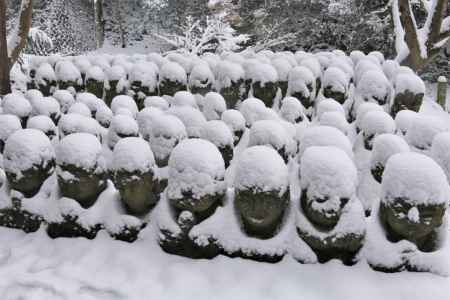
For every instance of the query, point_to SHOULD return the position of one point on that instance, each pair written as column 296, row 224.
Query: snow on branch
column 216, row 36
column 417, row 46
column 17, row 40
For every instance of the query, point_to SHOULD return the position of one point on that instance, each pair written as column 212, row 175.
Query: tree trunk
column 22, row 29
column 99, row 23
column 5, row 87
column 121, row 26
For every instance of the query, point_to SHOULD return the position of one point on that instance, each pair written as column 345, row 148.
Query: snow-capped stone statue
column 95, row 81
column 331, row 218
column 81, row 168
column 236, row 122
column 230, row 82
column 409, row 92
column 29, row 159
column 218, row 133
column 46, row 79
column 172, row 78
column 261, row 191
column 133, row 173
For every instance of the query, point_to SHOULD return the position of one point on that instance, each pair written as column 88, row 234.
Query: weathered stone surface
column 406, row 101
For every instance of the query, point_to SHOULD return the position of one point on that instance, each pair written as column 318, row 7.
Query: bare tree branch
column 21, row 34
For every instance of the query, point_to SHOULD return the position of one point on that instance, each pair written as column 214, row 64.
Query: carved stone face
column 82, row 185
column 261, row 212
column 338, row 96
column 266, row 93
column 411, row 222
column 136, row 191
column 233, row 93
column 324, row 212
column 31, row 180
column 201, row 208
column 169, row 87
column 377, row 172
column 406, row 101
column 368, row 140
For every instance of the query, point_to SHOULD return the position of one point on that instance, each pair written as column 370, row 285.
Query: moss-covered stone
column 82, row 185
column 233, row 93
column 64, row 85
column 338, row 96
column 377, row 172
column 201, row 208
column 202, row 90
column 227, row 154
column 29, row 182
column 140, row 92
column 71, row 228
column 406, row 101
column 137, row 191
column 129, row 233
column 47, row 87
column 422, row 232
column 266, row 92
column 112, row 92
column 17, row 218
column 261, row 213
column 169, row 87
column 95, row 87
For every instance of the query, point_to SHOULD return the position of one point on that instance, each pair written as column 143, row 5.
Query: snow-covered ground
column 33, row 266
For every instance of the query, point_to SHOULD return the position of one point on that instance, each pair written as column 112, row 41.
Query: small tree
column 11, row 47
column 415, row 46
column 214, row 36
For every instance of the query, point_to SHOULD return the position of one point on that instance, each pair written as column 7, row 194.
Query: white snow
column 228, row 73
column 409, row 82
column 336, row 79
column 25, row 149
column 423, row 129
column 192, row 118
column 329, row 105
column 261, row 169
column 335, row 119
column 271, row 133
column 234, row 119
column 403, row 120
column 72, row 123
column 158, row 102
column 66, row 71
column 324, row 136
column 121, row 126
column 16, row 104
column 123, row 101
column 440, row 151
column 218, row 133
column 42, row 123
column 173, row 72
column 82, row 150
column 95, row 73
column 183, row 98
column 377, row 122
column 45, row 72
column 80, row 109
column 132, row 154
column 292, row 110
column 8, row 125
column 415, row 177
column 64, row 98
column 385, row 146
column 214, row 105
column 195, row 166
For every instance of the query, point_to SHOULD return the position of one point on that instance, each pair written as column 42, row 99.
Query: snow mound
column 329, row 105
column 327, row 172
column 292, row 110
column 385, row 146
column 90, row 100
column 16, row 104
column 146, row 74
column 363, row 109
column 95, row 73
column 409, row 82
column 66, row 71
column 45, row 73
column 374, row 87
column 214, row 105
column 8, row 125
column 192, row 118
column 121, row 126
column 166, row 131
column 423, row 129
column 115, row 73
column 183, row 98
column 336, row 79
column 324, row 136
column 195, row 166
column 416, row 177
column 234, row 119
column 228, row 73
column 73, row 123
column 132, row 154
column 262, row 73
column 218, row 133
column 335, row 119
column 254, row 110
column 174, row 72
column 261, row 168
column 158, row 102
column 201, row 76
column 82, row 150
column 80, row 109
column 25, row 149
column 283, row 67
column 104, row 115
column 42, row 123
column 404, row 119
column 65, row 99
column 377, row 122
column 123, row 101
column 440, row 151
column 271, row 133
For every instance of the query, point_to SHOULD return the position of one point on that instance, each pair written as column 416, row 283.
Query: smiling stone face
column 261, row 213
column 415, row 223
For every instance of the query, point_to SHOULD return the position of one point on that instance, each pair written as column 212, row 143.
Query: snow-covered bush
column 172, row 78
column 375, row 123
column 121, row 126
column 331, row 218
column 44, row 124
column 423, row 129
column 8, row 125
column 272, row 133
column 196, row 178
column 81, row 168
column 214, row 105
column 28, row 159
column 133, row 173
column 218, row 133
column 236, row 122
column 192, row 119
column 385, row 146
column 292, row 110
column 261, row 191
column 165, row 133
column 409, row 93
